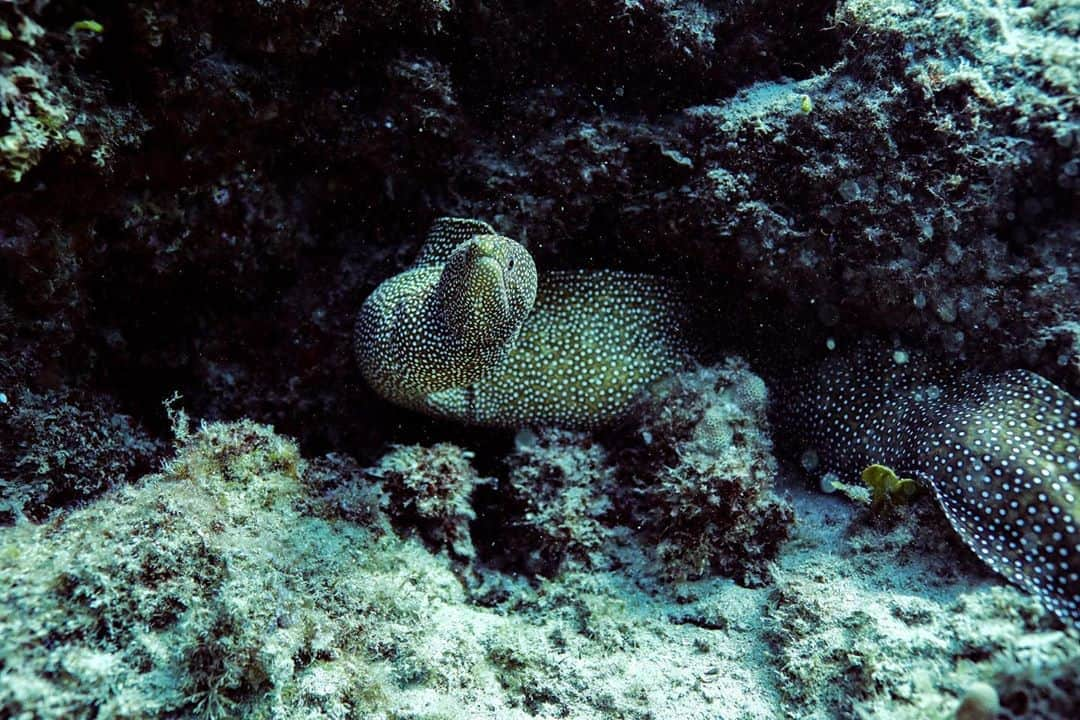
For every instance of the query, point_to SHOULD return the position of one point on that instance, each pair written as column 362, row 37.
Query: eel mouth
column 493, row 264
column 493, row 250
column 497, row 277
column 488, row 288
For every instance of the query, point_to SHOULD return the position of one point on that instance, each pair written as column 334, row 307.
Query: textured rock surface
column 689, row 479
column 247, row 174
column 197, row 196
column 245, row 581
column 61, row 450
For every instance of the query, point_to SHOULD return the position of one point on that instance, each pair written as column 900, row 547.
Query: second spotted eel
column 1000, row 451
column 472, row 333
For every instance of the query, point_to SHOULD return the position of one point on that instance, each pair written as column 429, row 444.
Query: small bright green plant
column 886, row 488
column 91, row 26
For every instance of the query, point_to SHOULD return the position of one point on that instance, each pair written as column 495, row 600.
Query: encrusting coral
column 592, row 342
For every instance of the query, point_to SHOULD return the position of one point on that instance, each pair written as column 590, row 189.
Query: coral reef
column 244, row 581
column 214, row 589
column 430, row 489
column 56, row 451
column 228, row 175
column 156, row 588
column 558, row 502
column 197, row 197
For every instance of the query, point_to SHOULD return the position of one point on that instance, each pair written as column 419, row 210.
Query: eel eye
column 510, row 264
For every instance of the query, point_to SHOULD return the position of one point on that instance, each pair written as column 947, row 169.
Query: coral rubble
column 197, row 197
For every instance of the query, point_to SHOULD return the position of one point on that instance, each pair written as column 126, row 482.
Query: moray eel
column 469, row 333
column 1001, row 453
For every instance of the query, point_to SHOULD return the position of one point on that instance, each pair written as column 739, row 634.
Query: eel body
column 1001, row 453
column 574, row 348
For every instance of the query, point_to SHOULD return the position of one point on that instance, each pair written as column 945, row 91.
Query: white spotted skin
column 1005, row 466
column 447, row 322
column 459, row 346
column 1001, row 453
column 594, row 341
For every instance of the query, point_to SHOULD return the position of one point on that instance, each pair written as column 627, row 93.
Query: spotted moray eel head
column 486, row 290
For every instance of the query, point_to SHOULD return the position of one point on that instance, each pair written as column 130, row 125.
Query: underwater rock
column 916, row 194
column 685, row 483
column 57, row 450
column 250, row 186
column 454, row 336
column 430, row 489
column 1041, row 679
column 699, row 479
column 557, row 504
column 856, row 649
column 980, row 702
column 1001, row 453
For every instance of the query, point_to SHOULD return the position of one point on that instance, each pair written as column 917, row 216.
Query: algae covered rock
column 57, row 451
column 430, row 489
column 900, row 622
column 560, row 494
column 190, row 593
column 704, row 475
column 687, row 480
column 197, row 196
column 50, row 102
column 242, row 581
